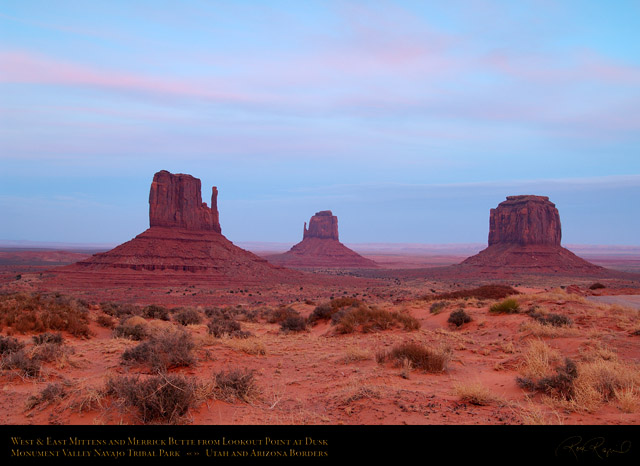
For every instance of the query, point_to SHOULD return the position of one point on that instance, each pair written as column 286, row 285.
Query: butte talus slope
column 320, row 247
column 184, row 240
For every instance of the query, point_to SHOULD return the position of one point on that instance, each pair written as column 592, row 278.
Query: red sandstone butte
column 184, row 237
column 525, row 235
column 320, row 247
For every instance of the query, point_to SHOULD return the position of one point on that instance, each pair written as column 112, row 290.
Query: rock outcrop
column 320, row 247
column 524, row 236
column 525, row 220
column 175, row 201
column 184, row 243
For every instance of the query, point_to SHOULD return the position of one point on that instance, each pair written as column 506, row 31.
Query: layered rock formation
column 320, row 247
column 184, row 242
column 525, row 235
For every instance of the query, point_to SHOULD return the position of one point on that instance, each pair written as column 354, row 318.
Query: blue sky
column 408, row 119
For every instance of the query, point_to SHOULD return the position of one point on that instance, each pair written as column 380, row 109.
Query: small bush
column 597, row 286
column 459, row 318
column 236, row 383
column 162, row 398
column 327, row 310
column 293, row 324
column 155, row 311
column 508, row 306
column 163, row 351
column 47, row 352
column 18, row 360
column 219, row 328
column 187, row 316
column 421, row 357
column 482, row 292
column 9, row 345
column 135, row 332
column 120, row 311
column 105, row 321
column 54, row 338
column 281, row 314
column 556, row 320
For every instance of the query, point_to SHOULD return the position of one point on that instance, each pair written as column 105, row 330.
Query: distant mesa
column 525, row 235
column 320, row 247
column 184, row 238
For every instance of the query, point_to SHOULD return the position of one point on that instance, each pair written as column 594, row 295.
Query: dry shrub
column 155, row 311
column 119, row 310
column 164, row 398
column 603, row 381
column 52, row 393
column 559, row 385
column 134, row 332
column 187, row 316
column 368, row 319
column 293, row 324
column 326, row 310
column 20, row 361
column 165, row 350
column 474, row 393
column 37, row 313
column 52, row 338
column 282, row 313
column 541, row 330
column 230, row 328
column 597, row 286
column 508, row 306
column 47, row 352
column 482, row 292
column 356, row 353
column 459, row 318
column 105, row 321
column 235, row 384
column 420, row 357
column 9, row 345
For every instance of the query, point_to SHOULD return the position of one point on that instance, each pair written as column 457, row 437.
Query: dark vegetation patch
column 54, row 338
column 459, row 318
column 105, row 321
column 163, row 351
column 555, row 320
column 164, row 398
column 38, row 313
column 293, row 324
column 120, row 310
column 19, row 361
column 155, row 311
column 597, row 286
column 52, row 393
column 9, row 345
column 438, row 306
column 482, row 292
column 280, row 314
column 135, row 332
column 325, row 311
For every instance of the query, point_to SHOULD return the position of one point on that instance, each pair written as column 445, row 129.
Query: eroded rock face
column 525, row 220
column 176, row 201
column 322, row 225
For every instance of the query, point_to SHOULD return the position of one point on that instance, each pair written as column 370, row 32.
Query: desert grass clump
column 280, row 314
column 419, row 356
column 165, row 350
column 164, row 398
column 437, row 307
column 459, row 318
column 558, row 385
column 120, row 310
column 539, row 359
column 482, row 292
column 293, row 324
column 474, row 393
column 370, row 319
column 508, row 306
column 235, row 384
column 230, row 328
column 554, row 320
column 187, row 316
column 9, row 345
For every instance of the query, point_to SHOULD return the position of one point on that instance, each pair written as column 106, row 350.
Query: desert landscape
column 180, row 326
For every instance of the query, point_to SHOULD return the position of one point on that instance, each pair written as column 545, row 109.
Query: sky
column 409, row 120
